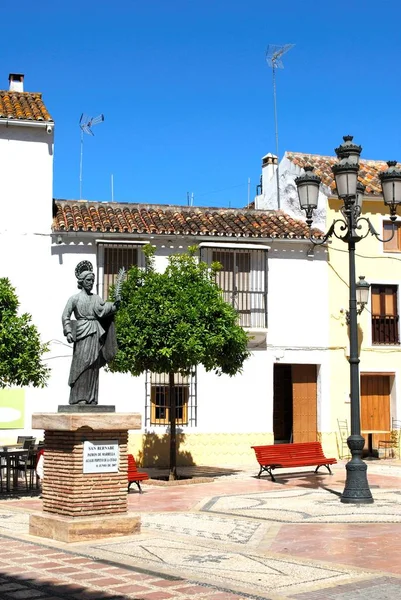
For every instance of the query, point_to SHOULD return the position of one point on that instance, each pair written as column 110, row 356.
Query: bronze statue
column 93, row 335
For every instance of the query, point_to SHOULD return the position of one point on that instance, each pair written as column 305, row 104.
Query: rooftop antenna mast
column 85, row 124
column 273, row 58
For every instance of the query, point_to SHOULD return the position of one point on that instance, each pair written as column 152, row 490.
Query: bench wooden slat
column 302, row 454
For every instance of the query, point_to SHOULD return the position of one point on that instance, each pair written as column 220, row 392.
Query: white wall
column 26, row 188
column 298, row 301
column 26, row 183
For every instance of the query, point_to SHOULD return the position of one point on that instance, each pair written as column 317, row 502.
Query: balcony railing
column 385, row 330
column 250, row 306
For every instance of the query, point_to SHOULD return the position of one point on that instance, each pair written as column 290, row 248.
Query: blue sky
column 187, row 94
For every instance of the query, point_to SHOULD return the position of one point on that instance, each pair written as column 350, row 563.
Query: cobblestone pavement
column 233, row 537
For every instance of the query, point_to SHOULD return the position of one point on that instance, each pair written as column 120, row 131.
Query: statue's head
column 84, row 274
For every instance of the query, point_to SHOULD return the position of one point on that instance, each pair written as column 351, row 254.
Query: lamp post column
column 356, row 486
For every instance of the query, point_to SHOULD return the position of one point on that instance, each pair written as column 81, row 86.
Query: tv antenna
column 274, row 54
column 85, row 124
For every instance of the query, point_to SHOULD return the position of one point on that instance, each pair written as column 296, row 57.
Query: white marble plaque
column 101, row 456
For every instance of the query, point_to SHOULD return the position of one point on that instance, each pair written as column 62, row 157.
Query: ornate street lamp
column 352, row 228
column 362, row 296
column 362, row 293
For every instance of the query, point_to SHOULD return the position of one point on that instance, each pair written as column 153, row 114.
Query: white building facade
column 269, row 274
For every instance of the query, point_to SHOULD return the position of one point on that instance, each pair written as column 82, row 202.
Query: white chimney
column 269, row 166
column 16, row 82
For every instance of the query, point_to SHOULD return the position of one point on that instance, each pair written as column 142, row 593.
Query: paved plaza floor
column 232, row 536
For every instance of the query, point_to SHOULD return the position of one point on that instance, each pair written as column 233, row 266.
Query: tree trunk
column 173, row 436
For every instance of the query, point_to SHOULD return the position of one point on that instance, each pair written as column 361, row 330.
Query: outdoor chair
column 343, row 450
column 28, row 444
column 21, row 439
column 394, row 443
column 26, row 465
column 3, row 472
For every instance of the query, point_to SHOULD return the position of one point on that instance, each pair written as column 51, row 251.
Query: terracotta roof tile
column 368, row 172
column 24, row 106
column 181, row 220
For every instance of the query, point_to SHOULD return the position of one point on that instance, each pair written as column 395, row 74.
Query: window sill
column 392, row 346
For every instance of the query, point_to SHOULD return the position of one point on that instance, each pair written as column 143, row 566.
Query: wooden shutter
column 304, row 403
column 392, row 245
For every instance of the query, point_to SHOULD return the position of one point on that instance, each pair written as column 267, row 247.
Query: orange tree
column 20, row 346
column 170, row 322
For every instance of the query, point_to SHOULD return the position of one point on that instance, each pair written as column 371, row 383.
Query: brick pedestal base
column 78, row 505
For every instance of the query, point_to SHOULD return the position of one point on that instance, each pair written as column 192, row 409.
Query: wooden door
column 304, row 403
column 375, row 404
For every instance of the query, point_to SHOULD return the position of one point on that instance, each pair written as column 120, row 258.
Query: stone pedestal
column 80, row 505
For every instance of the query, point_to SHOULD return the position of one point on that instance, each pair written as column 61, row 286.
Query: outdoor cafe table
column 6, row 460
column 370, row 433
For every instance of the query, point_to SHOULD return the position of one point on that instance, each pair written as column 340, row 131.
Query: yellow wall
column 206, row 449
column 378, row 267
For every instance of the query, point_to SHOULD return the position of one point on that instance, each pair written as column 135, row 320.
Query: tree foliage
column 170, row 322
column 20, row 346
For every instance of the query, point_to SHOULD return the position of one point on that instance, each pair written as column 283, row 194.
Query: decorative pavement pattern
column 297, row 506
column 235, row 570
column 211, row 527
column 234, row 539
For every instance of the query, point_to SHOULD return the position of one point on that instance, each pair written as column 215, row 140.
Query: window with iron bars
column 111, row 258
column 243, row 281
column 157, row 404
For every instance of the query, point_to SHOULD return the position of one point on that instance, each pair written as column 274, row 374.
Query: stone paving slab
column 384, row 588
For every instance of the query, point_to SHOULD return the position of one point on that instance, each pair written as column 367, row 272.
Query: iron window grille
column 243, row 281
column 157, row 403
column 385, row 318
column 111, row 258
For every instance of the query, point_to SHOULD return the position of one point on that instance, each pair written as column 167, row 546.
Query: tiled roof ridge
column 23, row 106
column 150, row 205
column 330, row 157
column 18, row 93
column 156, row 219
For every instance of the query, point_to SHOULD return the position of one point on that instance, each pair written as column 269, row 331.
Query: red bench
column 135, row 476
column 281, row 456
